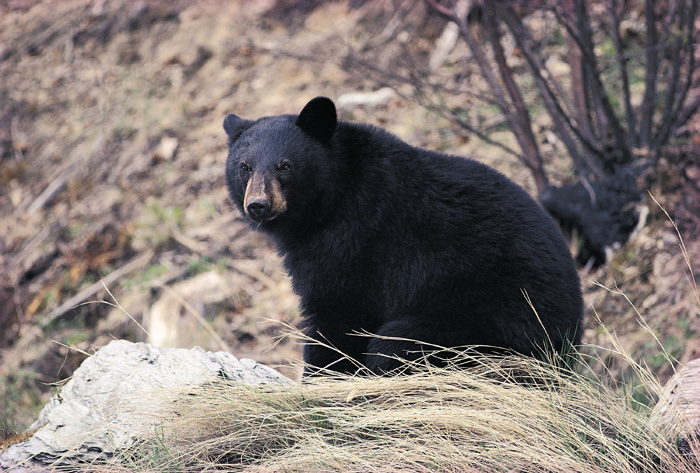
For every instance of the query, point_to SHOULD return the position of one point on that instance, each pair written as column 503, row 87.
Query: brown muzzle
column 263, row 200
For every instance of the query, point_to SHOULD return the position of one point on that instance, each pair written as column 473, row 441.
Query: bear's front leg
column 332, row 349
column 399, row 341
column 320, row 360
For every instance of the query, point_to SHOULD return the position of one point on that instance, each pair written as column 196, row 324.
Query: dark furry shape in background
column 603, row 213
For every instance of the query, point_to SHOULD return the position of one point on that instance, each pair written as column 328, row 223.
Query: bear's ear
column 234, row 126
column 318, row 119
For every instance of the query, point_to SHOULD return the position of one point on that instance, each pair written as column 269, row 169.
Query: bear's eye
column 244, row 168
column 284, row 166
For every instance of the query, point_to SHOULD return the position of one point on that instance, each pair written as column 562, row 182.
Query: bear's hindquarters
column 440, row 344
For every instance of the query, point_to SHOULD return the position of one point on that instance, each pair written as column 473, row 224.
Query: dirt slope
column 111, row 169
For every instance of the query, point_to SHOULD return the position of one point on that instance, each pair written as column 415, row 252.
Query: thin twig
column 630, row 116
column 520, row 119
column 650, row 74
column 50, row 191
column 119, row 306
column 607, row 120
column 560, row 118
column 681, row 113
column 447, row 112
column 513, row 110
column 676, row 51
column 441, row 9
column 136, row 263
column 14, row 136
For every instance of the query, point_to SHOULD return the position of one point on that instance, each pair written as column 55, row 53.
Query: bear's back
column 440, row 196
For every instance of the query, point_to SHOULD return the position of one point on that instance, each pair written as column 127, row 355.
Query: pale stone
column 114, row 398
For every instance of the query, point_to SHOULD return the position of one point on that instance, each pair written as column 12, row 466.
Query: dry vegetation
column 111, row 168
column 433, row 420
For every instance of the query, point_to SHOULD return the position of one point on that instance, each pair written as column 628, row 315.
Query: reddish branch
column 506, row 93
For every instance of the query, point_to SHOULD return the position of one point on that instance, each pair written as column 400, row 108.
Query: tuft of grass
column 432, row 420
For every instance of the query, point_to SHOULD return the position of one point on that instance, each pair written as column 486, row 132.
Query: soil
column 115, row 221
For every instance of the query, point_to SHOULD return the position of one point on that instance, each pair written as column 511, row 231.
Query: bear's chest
column 361, row 278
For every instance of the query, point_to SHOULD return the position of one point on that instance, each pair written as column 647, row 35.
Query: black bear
column 406, row 244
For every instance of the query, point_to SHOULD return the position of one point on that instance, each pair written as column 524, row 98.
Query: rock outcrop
column 115, row 397
column 678, row 408
column 119, row 395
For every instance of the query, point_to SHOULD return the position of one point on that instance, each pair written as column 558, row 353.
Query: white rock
column 678, row 408
column 167, row 148
column 375, row 98
column 114, row 397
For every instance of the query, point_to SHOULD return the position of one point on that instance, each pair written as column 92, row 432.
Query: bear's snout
column 263, row 200
column 259, row 209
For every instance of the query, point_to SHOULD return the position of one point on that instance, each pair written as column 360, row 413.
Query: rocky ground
column 114, row 213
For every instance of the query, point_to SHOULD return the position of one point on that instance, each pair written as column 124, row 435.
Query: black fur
column 385, row 238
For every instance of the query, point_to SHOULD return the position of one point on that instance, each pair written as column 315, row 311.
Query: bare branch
column 676, row 52
column 520, row 119
column 454, row 116
column 579, row 94
column 506, row 94
column 448, row 13
column 630, row 116
column 419, row 84
column 678, row 115
column 562, row 121
column 609, row 126
column 651, row 72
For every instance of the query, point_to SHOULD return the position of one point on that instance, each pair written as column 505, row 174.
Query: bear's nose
column 258, row 209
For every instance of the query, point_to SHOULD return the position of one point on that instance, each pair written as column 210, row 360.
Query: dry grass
column 432, row 420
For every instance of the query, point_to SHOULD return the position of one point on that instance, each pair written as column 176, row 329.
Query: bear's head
column 281, row 168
